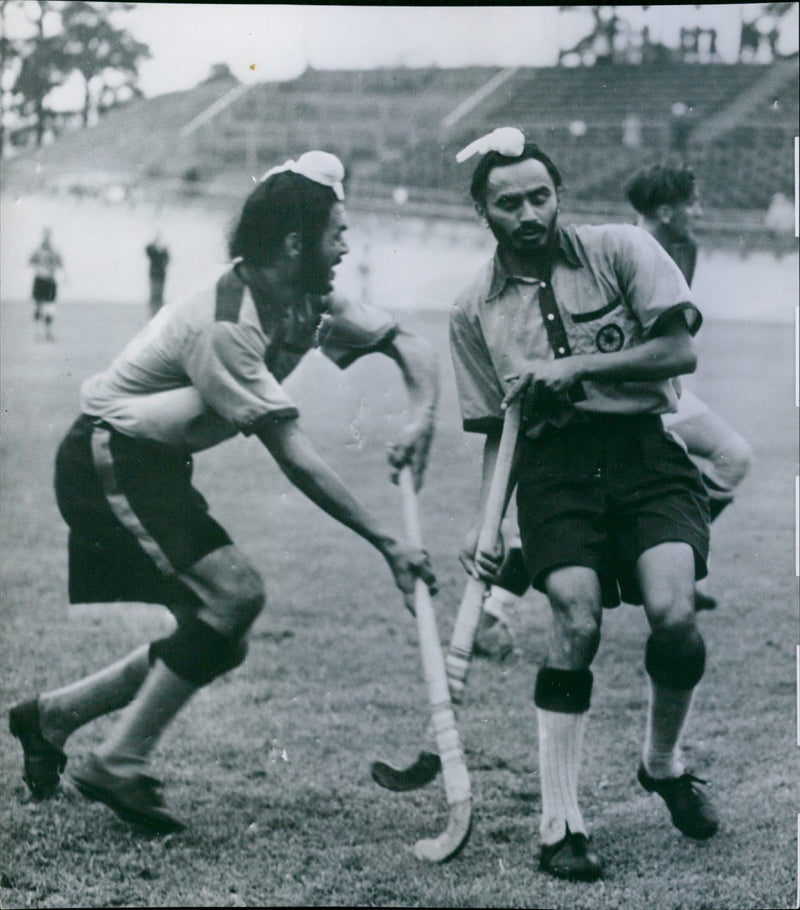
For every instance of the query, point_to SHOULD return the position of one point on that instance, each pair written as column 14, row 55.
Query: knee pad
column 676, row 658
column 565, row 691
column 198, row 653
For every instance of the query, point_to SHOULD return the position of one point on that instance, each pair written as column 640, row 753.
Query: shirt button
column 561, row 351
column 551, row 317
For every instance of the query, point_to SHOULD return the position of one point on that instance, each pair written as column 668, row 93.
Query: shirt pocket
column 603, row 330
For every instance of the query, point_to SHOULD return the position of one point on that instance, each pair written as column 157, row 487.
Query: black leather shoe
column 44, row 763
column 691, row 810
column 135, row 799
column 571, row 859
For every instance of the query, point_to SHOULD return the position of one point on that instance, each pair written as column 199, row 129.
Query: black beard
column 541, row 257
column 314, row 274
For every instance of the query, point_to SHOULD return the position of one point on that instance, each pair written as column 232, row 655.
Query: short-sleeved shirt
column 45, row 261
column 209, row 367
column 612, row 287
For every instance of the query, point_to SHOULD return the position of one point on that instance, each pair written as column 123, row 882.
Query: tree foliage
column 64, row 39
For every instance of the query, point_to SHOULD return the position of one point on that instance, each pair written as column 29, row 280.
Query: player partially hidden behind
column 201, row 372
column 666, row 201
column 46, row 261
column 589, row 325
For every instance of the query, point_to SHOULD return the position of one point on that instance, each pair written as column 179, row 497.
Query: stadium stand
column 402, row 126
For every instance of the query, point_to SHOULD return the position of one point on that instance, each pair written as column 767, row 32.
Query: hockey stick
column 454, row 769
column 427, row 764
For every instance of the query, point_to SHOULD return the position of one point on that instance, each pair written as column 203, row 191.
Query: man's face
column 683, row 215
column 521, row 207
column 319, row 261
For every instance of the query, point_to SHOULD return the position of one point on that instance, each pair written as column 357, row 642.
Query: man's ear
column 293, row 245
column 664, row 214
column 480, row 208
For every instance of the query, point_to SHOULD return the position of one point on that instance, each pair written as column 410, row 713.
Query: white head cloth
column 507, row 140
column 321, row 167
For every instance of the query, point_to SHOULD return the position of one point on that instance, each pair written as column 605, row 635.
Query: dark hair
column 660, row 185
column 492, row 160
column 283, row 203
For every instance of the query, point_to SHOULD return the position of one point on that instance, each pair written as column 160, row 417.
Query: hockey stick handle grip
column 498, row 489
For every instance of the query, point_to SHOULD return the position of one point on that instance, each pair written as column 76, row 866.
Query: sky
column 274, row 41
column 265, row 42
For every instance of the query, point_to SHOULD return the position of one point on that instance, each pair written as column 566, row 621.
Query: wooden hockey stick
column 454, row 769
column 427, row 764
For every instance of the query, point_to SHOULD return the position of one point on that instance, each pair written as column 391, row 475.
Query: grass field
column 269, row 766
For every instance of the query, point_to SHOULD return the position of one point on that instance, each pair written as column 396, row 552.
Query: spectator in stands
column 158, row 254
column 680, row 129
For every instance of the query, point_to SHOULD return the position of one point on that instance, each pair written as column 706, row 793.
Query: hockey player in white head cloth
column 588, row 325
column 202, row 371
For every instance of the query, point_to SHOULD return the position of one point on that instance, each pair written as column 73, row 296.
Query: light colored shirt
column 45, row 261
column 614, row 287
column 210, row 366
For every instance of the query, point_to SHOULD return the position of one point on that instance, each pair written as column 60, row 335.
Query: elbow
column 689, row 363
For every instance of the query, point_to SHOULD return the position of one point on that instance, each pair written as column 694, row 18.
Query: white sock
column 667, row 710
column 560, row 747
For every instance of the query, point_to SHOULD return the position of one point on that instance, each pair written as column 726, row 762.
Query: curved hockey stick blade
column 418, row 774
column 452, row 840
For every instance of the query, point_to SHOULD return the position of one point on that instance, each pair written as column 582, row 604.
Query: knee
column 675, row 655
column 576, row 623
column 243, row 597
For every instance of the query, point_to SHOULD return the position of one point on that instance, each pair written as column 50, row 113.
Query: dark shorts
column 44, row 290
column 135, row 520
column 602, row 490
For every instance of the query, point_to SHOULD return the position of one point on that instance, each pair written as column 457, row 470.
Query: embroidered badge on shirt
column 610, row 338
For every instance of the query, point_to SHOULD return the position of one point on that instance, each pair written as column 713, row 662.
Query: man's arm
column 301, row 463
column 670, row 353
column 419, row 365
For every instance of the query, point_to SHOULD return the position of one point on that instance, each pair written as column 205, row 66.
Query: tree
column 107, row 57
column 40, row 67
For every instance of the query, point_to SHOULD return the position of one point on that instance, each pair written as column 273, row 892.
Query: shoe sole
column 154, row 822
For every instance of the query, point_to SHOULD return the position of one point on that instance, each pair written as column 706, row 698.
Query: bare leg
column 63, row 711
column 160, row 698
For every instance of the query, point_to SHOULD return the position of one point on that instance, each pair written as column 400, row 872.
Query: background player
column 198, row 374
column 158, row 256
column 46, row 261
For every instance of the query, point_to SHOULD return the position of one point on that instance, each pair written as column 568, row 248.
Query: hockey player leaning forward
column 202, row 371
column 589, row 325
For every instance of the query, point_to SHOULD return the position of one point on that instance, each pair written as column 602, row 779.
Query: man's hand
column 478, row 563
column 408, row 564
column 553, row 377
column 412, row 449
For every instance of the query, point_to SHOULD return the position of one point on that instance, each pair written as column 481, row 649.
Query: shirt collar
column 501, row 275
